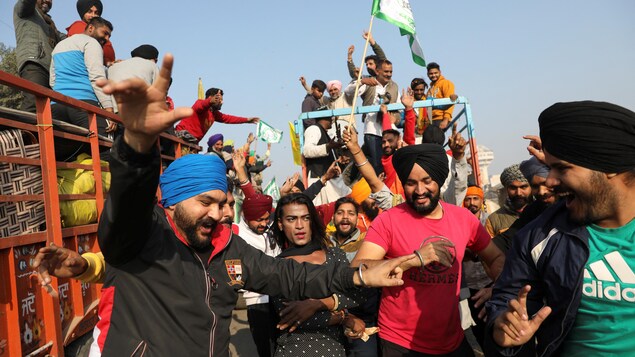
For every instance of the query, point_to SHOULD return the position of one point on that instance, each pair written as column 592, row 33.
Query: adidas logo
column 603, row 284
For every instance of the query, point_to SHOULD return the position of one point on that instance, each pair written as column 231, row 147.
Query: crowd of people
column 385, row 248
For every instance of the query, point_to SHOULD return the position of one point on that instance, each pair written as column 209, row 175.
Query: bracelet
column 337, row 302
column 360, row 150
column 244, row 182
column 361, row 277
column 416, row 252
column 362, row 164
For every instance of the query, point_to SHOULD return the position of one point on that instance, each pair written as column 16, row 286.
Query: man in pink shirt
column 206, row 112
column 421, row 317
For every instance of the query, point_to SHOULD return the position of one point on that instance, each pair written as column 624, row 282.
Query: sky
column 510, row 59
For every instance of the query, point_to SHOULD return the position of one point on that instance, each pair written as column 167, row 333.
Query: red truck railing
column 33, row 322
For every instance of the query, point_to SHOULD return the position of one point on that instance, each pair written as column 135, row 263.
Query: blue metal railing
column 464, row 115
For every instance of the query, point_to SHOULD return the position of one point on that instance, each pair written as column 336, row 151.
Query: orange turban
column 474, row 191
column 361, row 191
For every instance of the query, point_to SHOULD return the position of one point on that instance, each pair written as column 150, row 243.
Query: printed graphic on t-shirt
column 614, row 284
column 437, row 273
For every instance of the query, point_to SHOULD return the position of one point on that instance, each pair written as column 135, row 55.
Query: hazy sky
column 511, row 59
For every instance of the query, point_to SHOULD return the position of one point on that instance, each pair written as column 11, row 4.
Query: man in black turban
column 578, row 257
column 438, row 233
column 431, row 162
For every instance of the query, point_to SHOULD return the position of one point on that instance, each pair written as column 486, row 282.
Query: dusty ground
column 241, row 343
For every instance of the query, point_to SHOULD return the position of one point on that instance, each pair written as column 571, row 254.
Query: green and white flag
column 399, row 13
column 272, row 190
column 267, row 133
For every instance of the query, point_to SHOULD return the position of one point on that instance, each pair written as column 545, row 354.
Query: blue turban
column 214, row 139
column 533, row 167
column 191, row 175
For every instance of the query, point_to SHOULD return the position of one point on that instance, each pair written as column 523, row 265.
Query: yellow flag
column 295, row 145
column 201, row 92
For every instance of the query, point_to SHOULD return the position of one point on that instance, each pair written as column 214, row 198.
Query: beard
column 592, row 203
column 518, row 202
column 346, row 233
column 190, row 227
column 473, row 209
column 370, row 210
column 424, row 209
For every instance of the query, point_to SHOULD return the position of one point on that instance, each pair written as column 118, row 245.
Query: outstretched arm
column 125, row 222
column 364, row 167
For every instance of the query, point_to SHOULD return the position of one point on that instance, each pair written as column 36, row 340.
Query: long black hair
column 318, row 230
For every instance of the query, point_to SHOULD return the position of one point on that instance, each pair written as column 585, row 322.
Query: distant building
column 485, row 158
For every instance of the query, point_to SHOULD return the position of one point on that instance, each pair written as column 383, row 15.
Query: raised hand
column 351, row 49
column 288, row 184
column 514, row 327
column 369, row 36
column 407, row 99
column 349, row 136
column 59, row 262
column 142, row 108
column 457, row 143
column 535, row 147
column 333, row 171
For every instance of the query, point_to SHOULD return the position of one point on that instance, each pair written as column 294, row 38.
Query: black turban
column 431, row 157
column 433, row 135
column 599, row 136
column 148, row 52
column 84, row 5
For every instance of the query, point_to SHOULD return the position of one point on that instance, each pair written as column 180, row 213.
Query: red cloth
column 257, row 205
column 428, row 298
column 248, row 189
column 78, row 27
column 326, row 212
column 409, row 127
column 169, row 102
column 202, row 119
column 386, row 123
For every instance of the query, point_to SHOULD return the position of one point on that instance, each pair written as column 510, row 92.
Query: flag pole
column 351, row 118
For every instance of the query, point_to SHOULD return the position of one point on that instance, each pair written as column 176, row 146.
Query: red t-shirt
column 423, row 314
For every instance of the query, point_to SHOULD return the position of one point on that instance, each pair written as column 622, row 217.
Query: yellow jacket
column 442, row 88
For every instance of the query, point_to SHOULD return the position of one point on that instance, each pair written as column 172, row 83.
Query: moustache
column 425, row 195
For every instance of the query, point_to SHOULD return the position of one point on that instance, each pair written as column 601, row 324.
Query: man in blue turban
column 172, row 272
column 185, row 184
column 215, row 143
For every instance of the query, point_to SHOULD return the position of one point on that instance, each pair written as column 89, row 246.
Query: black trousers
column 35, row 73
column 262, row 324
column 390, row 349
column 66, row 150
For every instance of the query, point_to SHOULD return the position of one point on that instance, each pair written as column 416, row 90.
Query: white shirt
column 260, row 242
column 372, row 123
column 312, row 150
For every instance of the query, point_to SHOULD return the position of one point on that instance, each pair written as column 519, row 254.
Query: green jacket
column 31, row 35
